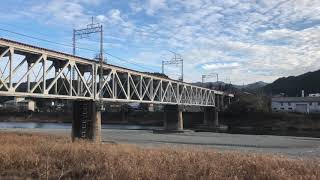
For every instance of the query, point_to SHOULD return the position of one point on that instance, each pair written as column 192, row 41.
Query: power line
column 70, row 46
column 121, row 59
column 152, row 34
column 30, row 28
column 136, row 29
column 174, row 61
column 210, row 75
column 32, row 37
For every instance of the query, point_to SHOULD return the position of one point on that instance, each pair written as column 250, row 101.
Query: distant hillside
column 209, row 84
column 292, row 85
column 255, row 86
column 252, row 87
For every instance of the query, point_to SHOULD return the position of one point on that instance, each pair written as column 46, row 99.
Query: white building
column 296, row 104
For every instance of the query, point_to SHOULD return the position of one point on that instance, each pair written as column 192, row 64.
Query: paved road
column 292, row 146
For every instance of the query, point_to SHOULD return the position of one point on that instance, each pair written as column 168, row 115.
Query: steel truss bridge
column 30, row 71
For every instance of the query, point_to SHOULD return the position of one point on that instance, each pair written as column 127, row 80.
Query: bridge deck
column 31, row 71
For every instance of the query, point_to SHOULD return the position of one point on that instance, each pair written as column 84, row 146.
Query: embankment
column 50, row 117
column 272, row 123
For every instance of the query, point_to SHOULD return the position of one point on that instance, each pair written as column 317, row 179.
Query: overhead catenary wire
column 150, row 34
column 137, row 30
column 70, row 46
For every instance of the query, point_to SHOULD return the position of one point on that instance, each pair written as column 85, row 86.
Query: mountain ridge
column 293, row 85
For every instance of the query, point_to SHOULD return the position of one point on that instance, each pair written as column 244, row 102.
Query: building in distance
column 310, row 104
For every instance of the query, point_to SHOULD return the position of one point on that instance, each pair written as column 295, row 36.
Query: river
column 32, row 125
column 144, row 136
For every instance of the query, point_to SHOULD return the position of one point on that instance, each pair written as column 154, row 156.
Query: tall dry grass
column 32, row 156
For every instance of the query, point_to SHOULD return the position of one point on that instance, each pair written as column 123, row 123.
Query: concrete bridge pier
column 211, row 117
column 216, row 118
column 221, row 102
column 173, row 118
column 86, row 123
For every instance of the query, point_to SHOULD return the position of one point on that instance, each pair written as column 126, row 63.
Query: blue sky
column 242, row 40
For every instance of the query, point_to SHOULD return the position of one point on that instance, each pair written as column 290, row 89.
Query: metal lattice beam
column 65, row 76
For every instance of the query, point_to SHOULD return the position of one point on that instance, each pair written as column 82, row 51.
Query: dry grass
column 31, row 156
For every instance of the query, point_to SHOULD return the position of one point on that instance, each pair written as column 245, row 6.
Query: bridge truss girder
column 35, row 72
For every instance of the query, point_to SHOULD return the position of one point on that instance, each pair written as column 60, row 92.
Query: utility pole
column 162, row 67
column 182, row 70
column 176, row 60
column 74, row 42
column 101, row 65
column 85, row 33
column 210, row 76
column 203, row 77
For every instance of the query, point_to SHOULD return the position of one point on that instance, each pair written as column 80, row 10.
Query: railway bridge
column 30, row 71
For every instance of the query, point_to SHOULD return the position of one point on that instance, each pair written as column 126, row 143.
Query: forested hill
column 292, row 85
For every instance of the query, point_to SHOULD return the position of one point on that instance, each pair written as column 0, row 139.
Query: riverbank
column 36, row 117
column 36, row 156
column 272, row 123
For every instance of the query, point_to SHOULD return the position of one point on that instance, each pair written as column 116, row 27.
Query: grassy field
column 34, row 156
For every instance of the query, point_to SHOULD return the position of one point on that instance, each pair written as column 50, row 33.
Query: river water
column 239, row 130
column 32, row 125
column 143, row 136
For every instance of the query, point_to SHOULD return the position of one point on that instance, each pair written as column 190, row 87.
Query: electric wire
column 70, row 46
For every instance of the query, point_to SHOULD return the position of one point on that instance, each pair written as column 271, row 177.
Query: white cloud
column 150, row 7
column 298, row 36
column 135, row 6
column 59, row 12
column 255, row 37
column 101, row 18
column 251, row 40
column 155, row 5
column 89, row 2
column 215, row 66
column 114, row 16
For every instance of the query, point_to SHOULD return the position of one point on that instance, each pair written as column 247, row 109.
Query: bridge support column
column 216, row 118
column 222, row 102
column 124, row 116
column 96, row 135
column 173, row 118
column 86, row 123
column 206, row 116
column 217, row 101
column 211, row 117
